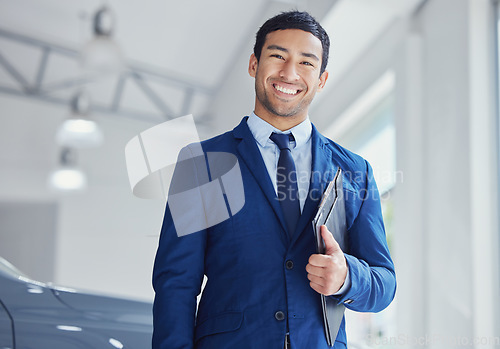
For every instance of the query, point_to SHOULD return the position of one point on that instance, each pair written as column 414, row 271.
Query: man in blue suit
column 264, row 278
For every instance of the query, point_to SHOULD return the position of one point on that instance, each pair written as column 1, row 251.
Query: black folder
column 331, row 212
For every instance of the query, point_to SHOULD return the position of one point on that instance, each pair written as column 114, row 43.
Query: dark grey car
column 35, row 315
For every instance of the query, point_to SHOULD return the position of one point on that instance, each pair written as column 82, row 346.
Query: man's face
column 287, row 76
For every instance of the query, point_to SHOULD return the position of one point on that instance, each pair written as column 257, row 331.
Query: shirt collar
column 261, row 130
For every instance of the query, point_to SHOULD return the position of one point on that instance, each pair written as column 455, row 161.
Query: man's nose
column 289, row 72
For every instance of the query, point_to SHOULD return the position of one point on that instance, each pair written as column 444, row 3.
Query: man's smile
column 288, row 90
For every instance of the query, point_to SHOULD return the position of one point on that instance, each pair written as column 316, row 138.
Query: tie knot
column 282, row 140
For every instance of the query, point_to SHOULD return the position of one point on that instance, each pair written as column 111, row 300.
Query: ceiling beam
column 140, row 72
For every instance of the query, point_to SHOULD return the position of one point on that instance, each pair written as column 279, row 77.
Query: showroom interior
column 413, row 87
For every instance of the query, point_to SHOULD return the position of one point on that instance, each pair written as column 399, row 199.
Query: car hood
column 101, row 307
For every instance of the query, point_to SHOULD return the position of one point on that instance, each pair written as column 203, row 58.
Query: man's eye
column 277, row 56
column 308, row 63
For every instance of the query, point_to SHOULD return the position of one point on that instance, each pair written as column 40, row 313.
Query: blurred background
column 413, row 88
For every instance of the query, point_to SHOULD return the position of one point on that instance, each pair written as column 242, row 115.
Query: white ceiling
column 193, row 41
column 355, row 25
column 175, row 36
column 196, row 41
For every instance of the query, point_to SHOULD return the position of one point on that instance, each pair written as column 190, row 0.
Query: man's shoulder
column 224, row 140
column 346, row 159
column 219, row 143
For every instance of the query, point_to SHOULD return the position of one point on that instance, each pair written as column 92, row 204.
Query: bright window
column 367, row 128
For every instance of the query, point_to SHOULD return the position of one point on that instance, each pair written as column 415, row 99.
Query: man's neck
column 282, row 123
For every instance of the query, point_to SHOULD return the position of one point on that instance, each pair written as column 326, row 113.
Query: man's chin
column 285, row 113
column 284, row 109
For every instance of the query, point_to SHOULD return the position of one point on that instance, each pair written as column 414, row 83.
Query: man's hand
column 327, row 272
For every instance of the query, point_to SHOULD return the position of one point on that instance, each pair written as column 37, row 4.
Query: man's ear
column 252, row 65
column 322, row 80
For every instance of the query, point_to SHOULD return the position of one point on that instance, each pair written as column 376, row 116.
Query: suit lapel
column 250, row 154
column 322, row 172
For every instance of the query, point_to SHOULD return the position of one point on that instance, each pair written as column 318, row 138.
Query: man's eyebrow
column 305, row 54
column 276, row 47
column 310, row 55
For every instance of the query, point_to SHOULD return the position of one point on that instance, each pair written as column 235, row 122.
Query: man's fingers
column 316, row 280
column 316, row 270
column 319, row 260
column 318, row 288
column 331, row 246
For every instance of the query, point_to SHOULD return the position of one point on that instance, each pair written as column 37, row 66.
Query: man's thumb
column 331, row 246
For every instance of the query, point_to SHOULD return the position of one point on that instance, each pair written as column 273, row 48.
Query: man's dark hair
column 293, row 20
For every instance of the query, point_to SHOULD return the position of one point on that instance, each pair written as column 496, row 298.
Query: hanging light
column 102, row 54
column 67, row 177
column 79, row 130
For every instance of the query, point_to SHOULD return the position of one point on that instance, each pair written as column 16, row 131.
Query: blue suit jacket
column 245, row 257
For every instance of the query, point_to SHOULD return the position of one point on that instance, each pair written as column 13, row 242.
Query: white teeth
column 285, row 90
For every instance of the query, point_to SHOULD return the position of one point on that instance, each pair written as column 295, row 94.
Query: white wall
column 105, row 238
column 446, row 211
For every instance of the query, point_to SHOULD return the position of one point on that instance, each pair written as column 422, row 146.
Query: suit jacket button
column 279, row 315
column 289, row 264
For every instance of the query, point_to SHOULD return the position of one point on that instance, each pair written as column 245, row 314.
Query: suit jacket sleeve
column 371, row 270
column 177, row 279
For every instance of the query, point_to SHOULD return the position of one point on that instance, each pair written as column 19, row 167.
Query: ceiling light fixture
column 102, row 54
column 67, row 177
column 79, row 131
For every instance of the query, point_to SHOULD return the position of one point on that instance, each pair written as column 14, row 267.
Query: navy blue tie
column 286, row 180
